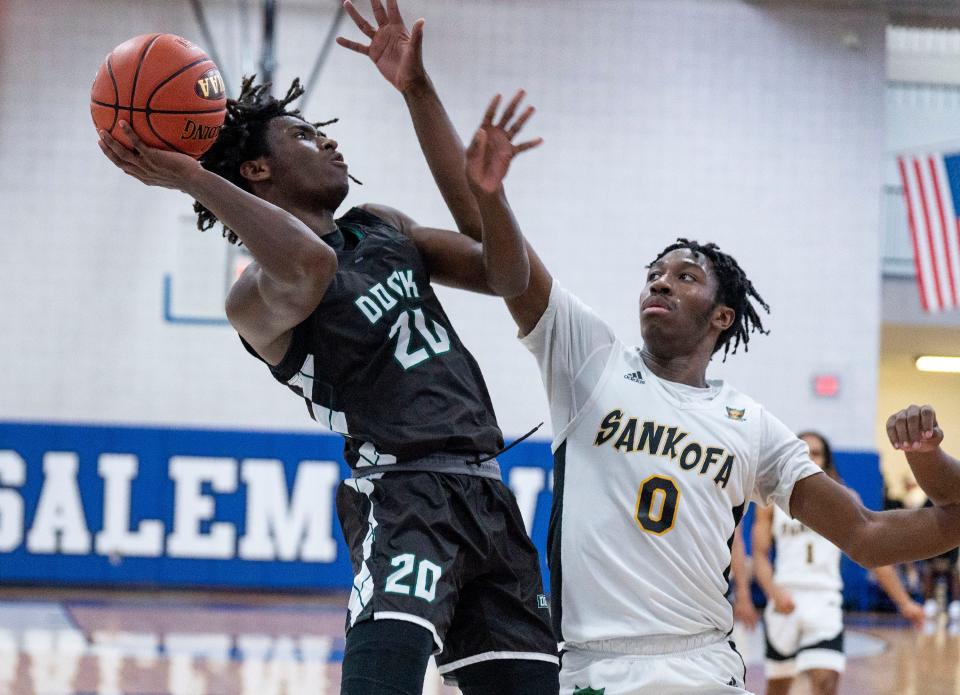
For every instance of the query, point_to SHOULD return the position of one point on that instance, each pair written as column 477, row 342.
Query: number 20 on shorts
column 657, row 501
column 427, row 575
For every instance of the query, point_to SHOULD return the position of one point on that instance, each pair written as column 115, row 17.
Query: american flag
column 931, row 187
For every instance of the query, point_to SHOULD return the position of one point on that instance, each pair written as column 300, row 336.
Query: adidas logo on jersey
column 635, row 377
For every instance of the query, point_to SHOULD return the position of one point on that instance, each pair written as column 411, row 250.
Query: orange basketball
column 166, row 88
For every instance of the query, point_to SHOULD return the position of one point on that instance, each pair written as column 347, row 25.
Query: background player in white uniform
column 654, row 465
column 803, row 619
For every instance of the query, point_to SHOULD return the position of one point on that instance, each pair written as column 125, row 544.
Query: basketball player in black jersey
column 343, row 312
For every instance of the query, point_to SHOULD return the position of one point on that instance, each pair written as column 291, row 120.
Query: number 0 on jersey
column 657, row 501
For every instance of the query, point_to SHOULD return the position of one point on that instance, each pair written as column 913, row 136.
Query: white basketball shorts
column 811, row 637
column 715, row 668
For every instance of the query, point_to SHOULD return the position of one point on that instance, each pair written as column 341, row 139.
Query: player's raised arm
column 488, row 160
column 293, row 266
column 499, row 263
column 873, row 538
column 454, row 259
column 914, row 430
column 398, row 54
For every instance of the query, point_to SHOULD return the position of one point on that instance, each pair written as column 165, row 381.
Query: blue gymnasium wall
column 152, row 493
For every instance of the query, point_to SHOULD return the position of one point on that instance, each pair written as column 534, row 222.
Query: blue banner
column 151, row 506
column 178, row 507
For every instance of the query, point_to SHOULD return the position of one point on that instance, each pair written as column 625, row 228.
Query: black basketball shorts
column 450, row 553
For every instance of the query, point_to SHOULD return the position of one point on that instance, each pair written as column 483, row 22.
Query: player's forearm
column 741, row 590
column 938, row 475
column 890, row 583
column 505, row 261
column 763, row 573
column 287, row 250
column 903, row 535
column 739, row 567
column 741, row 579
column 444, row 153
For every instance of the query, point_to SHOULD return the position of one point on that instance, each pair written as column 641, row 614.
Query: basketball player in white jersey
column 803, row 620
column 654, row 465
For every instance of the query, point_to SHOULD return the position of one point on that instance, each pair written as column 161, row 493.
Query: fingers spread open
column 528, row 145
column 519, row 123
column 353, row 45
column 477, row 145
column 491, row 111
column 393, row 12
column 511, row 108
column 362, row 24
column 416, row 37
column 379, row 13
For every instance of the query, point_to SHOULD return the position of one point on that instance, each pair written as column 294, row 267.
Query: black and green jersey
column 378, row 360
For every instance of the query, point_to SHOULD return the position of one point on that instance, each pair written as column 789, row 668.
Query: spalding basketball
column 166, row 88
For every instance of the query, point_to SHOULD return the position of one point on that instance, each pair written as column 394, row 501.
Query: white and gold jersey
column 805, row 559
column 650, row 481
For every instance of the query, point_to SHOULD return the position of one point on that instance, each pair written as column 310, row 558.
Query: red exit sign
column 826, row 385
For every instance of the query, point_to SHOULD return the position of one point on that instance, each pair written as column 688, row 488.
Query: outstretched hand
column 492, row 148
column 397, row 52
column 745, row 612
column 913, row 612
column 783, row 601
column 149, row 165
column 915, row 429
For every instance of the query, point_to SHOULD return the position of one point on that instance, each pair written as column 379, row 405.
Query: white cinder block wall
column 759, row 129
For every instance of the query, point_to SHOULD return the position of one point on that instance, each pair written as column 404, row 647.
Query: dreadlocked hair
column 736, row 291
column 243, row 137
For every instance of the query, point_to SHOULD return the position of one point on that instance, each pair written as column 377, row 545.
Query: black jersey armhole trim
column 294, row 357
column 737, row 516
column 364, row 218
column 554, row 539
